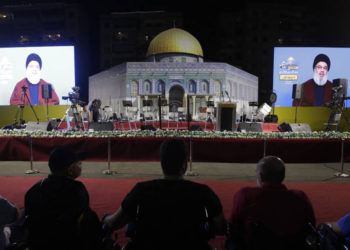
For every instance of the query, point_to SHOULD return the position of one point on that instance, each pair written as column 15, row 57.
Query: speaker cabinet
column 285, row 127
column 300, row 127
column 42, row 126
column 46, row 91
column 271, row 119
column 297, row 91
column 148, row 127
column 127, row 104
column 101, row 126
column 294, row 127
column 250, row 127
column 196, row 127
column 147, row 103
column 340, row 87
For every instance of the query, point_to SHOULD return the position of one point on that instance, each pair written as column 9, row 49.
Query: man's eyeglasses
column 320, row 67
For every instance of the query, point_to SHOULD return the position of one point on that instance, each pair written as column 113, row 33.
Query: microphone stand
column 229, row 98
column 20, row 108
column 188, row 112
column 24, row 90
column 47, row 109
column 296, row 110
column 295, row 115
column 20, row 111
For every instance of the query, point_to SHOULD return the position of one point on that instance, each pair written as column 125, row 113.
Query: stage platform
column 315, row 117
column 171, row 125
column 230, row 150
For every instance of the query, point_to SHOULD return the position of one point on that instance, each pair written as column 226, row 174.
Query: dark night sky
column 200, row 18
column 331, row 17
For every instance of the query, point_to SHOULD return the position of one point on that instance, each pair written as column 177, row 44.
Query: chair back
column 263, row 238
column 328, row 239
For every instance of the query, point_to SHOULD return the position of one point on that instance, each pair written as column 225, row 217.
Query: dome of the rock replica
column 175, row 41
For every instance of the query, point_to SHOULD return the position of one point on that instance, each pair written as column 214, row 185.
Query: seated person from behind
column 9, row 214
column 59, row 215
column 282, row 214
column 170, row 213
column 32, row 85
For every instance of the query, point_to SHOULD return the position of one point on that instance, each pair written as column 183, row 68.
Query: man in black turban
column 317, row 91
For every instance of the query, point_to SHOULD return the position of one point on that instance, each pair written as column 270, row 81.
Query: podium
column 226, row 116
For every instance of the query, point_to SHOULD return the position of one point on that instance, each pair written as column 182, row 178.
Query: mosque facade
column 175, row 73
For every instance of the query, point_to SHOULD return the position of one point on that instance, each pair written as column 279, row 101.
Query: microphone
column 228, row 95
column 46, row 91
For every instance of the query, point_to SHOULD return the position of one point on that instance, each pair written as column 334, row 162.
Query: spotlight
column 264, row 110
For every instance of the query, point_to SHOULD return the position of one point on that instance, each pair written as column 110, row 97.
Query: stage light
column 264, row 110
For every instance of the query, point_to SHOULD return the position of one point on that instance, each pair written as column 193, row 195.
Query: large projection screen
column 294, row 65
column 58, row 69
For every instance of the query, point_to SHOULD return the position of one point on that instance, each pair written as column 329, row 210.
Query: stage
column 203, row 147
column 315, row 117
column 214, row 161
column 170, row 125
column 127, row 141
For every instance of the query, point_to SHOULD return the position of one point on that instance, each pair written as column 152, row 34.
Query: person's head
column 321, row 66
column 173, row 157
column 270, row 169
column 33, row 68
column 65, row 162
column 96, row 102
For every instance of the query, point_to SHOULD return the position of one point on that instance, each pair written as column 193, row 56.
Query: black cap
column 322, row 58
column 33, row 57
column 61, row 158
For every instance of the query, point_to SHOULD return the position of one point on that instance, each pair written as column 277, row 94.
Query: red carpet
column 330, row 200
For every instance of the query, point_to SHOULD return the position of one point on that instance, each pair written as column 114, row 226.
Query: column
column 185, row 104
column 194, row 113
column 167, row 101
column 138, row 107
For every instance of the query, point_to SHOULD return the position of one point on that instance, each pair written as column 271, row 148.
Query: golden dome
column 175, row 41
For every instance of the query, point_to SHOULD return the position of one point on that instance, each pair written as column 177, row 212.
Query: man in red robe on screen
column 33, row 86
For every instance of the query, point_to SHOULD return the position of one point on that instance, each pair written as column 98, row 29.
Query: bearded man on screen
column 318, row 90
column 32, row 85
